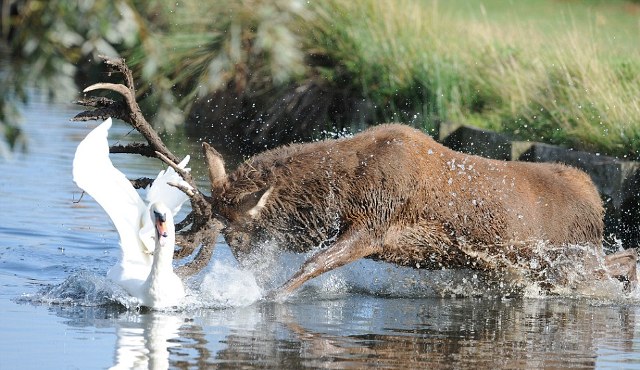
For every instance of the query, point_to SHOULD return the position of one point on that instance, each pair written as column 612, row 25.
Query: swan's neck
column 162, row 260
column 162, row 288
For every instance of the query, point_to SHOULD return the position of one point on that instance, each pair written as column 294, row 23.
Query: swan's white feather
column 94, row 173
column 170, row 196
column 163, row 288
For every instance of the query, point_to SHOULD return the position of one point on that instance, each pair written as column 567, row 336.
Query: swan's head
column 163, row 222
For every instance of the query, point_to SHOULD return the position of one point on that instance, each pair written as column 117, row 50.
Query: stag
column 390, row 193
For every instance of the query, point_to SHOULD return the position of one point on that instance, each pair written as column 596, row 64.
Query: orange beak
column 161, row 225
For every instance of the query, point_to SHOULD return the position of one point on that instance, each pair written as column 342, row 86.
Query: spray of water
column 533, row 270
column 227, row 286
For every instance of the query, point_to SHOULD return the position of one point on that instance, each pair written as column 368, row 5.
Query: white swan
column 146, row 253
column 162, row 288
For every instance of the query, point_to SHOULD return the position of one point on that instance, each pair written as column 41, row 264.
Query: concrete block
column 472, row 140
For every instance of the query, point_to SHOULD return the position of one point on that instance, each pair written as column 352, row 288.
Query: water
column 58, row 311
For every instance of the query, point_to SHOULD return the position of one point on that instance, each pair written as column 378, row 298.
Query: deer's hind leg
column 622, row 266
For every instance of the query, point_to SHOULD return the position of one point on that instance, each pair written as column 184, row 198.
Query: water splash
column 83, row 288
column 223, row 286
column 227, row 286
column 542, row 269
column 569, row 271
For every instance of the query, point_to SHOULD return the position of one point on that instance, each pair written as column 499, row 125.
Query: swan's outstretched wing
column 94, row 173
column 161, row 192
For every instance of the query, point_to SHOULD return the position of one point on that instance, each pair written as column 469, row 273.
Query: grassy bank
column 563, row 72
column 564, row 79
column 560, row 72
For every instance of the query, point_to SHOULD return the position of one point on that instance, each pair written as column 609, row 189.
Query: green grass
column 614, row 23
column 559, row 72
column 581, row 84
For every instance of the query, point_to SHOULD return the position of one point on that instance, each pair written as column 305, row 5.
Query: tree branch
column 134, row 148
column 141, row 183
column 186, row 175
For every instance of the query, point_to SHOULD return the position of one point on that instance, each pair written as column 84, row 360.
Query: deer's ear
column 253, row 203
column 215, row 165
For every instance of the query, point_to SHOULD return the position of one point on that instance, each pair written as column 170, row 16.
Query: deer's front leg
column 349, row 247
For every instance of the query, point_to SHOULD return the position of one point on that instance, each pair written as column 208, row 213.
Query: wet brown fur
column 393, row 193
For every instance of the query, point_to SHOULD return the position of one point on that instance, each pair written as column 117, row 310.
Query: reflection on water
column 55, row 301
column 364, row 330
column 144, row 341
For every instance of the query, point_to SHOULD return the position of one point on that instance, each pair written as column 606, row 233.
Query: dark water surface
column 57, row 311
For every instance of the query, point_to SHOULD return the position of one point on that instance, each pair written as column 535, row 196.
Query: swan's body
column 141, row 269
column 162, row 288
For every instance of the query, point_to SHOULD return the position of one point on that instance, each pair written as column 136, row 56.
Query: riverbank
column 561, row 73
column 565, row 73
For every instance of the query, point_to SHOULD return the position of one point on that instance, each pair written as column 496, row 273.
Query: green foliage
column 394, row 55
column 247, row 45
column 565, row 84
column 565, row 73
column 47, row 40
